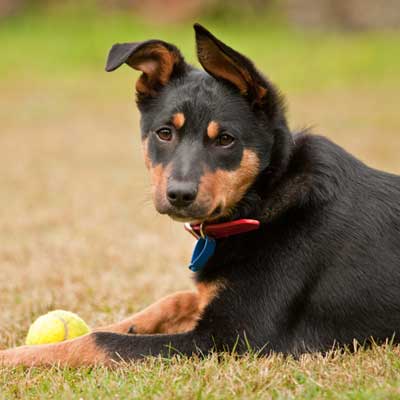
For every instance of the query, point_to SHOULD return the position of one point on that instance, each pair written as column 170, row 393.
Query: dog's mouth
column 195, row 216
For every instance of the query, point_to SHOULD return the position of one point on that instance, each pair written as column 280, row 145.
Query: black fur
column 323, row 269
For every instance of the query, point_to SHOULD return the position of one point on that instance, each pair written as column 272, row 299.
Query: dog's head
column 206, row 135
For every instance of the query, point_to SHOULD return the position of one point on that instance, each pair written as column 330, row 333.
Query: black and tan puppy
column 322, row 269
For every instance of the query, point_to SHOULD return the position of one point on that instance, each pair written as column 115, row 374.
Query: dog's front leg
column 80, row 351
column 105, row 348
column 179, row 312
column 132, row 347
column 175, row 313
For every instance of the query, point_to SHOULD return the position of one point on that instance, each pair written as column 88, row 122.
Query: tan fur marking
column 226, row 188
column 219, row 64
column 176, row 313
column 76, row 352
column 178, row 120
column 159, row 181
column 156, row 63
column 261, row 92
column 173, row 314
column 207, row 292
column 157, row 175
column 145, row 151
column 212, row 129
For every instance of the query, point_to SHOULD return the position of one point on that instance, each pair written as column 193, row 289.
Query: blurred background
column 77, row 227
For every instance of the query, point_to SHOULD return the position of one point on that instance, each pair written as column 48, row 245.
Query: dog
column 299, row 242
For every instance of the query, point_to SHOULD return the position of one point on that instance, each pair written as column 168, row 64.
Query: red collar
column 223, row 230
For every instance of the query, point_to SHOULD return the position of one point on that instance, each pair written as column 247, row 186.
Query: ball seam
column 65, row 327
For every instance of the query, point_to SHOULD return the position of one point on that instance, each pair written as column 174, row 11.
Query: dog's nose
column 181, row 194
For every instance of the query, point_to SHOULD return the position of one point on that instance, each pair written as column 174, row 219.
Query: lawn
column 77, row 227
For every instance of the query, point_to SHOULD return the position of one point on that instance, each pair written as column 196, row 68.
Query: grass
column 369, row 374
column 77, row 43
column 77, row 227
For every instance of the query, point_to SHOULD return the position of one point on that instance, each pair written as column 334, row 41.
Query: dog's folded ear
column 159, row 61
column 222, row 62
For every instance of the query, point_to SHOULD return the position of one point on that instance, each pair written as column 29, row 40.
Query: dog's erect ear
column 222, row 62
column 159, row 61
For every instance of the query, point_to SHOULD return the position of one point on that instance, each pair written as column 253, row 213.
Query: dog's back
column 351, row 241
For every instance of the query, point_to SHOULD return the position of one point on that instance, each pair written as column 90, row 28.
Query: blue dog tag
column 202, row 252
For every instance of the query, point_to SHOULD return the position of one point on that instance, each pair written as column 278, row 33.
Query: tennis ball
column 56, row 326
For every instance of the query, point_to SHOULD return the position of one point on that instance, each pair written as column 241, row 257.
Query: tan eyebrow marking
column 213, row 129
column 178, row 120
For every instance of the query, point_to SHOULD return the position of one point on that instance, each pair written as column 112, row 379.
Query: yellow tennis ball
column 56, row 326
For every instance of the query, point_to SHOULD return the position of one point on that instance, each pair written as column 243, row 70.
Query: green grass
column 77, row 43
column 77, row 227
column 373, row 374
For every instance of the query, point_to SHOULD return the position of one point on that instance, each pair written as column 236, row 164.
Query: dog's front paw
column 13, row 357
column 27, row 356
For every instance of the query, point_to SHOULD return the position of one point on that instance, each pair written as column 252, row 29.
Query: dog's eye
column 164, row 134
column 224, row 140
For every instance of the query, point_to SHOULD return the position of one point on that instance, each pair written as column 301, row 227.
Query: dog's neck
column 285, row 184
